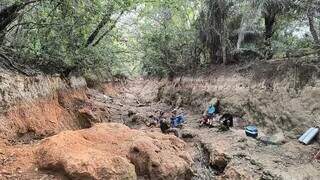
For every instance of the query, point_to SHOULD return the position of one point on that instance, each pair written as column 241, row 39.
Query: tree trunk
column 223, row 30
column 269, row 20
column 106, row 19
column 241, row 33
column 313, row 28
column 113, row 25
column 9, row 14
column 224, row 44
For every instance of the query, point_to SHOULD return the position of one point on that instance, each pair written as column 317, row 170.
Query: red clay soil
column 42, row 117
column 105, row 151
column 65, row 110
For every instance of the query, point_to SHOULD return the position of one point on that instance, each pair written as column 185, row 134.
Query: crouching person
column 155, row 120
column 210, row 113
column 226, row 121
column 176, row 120
column 167, row 129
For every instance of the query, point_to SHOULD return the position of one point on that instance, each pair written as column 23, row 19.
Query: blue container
column 251, row 131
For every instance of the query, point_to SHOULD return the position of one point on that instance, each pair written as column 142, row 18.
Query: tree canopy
column 101, row 38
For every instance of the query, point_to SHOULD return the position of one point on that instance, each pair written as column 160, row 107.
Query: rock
column 114, row 151
column 4, row 172
column 131, row 113
column 239, row 122
column 77, row 82
column 317, row 156
column 44, row 177
column 278, row 138
column 138, row 120
column 187, row 134
column 88, row 118
column 236, row 173
column 219, row 161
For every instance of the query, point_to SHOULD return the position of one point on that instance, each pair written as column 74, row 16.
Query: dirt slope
column 40, row 124
column 227, row 155
column 40, row 136
column 278, row 96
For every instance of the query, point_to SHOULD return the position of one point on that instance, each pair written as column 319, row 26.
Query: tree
column 162, row 37
column 312, row 8
column 213, row 31
column 168, row 38
column 9, row 14
column 270, row 9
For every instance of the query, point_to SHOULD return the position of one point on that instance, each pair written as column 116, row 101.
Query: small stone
column 4, row 172
column 44, row 177
column 187, row 135
column 242, row 140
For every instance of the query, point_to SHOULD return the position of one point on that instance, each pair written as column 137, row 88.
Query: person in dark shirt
column 226, row 121
column 166, row 128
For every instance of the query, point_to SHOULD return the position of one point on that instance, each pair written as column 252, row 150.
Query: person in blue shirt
column 176, row 120
column 210, row 113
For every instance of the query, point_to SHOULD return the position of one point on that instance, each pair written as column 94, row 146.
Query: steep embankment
column 54, row 128
column 281, row 98
column 39, row 106
column 216, row 154
column 42, row 117
column 277, row 96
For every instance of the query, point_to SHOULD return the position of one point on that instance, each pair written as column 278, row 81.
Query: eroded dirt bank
column 222, row 155
column 277, row 96
column 43, row 106
column 281, row 99
column 51, row 129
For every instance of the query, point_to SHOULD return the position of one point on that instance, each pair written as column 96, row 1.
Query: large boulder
column 114, row 151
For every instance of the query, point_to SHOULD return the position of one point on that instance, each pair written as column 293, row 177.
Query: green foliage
column 59, row 29
column 157, row 38
column 169, row 38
